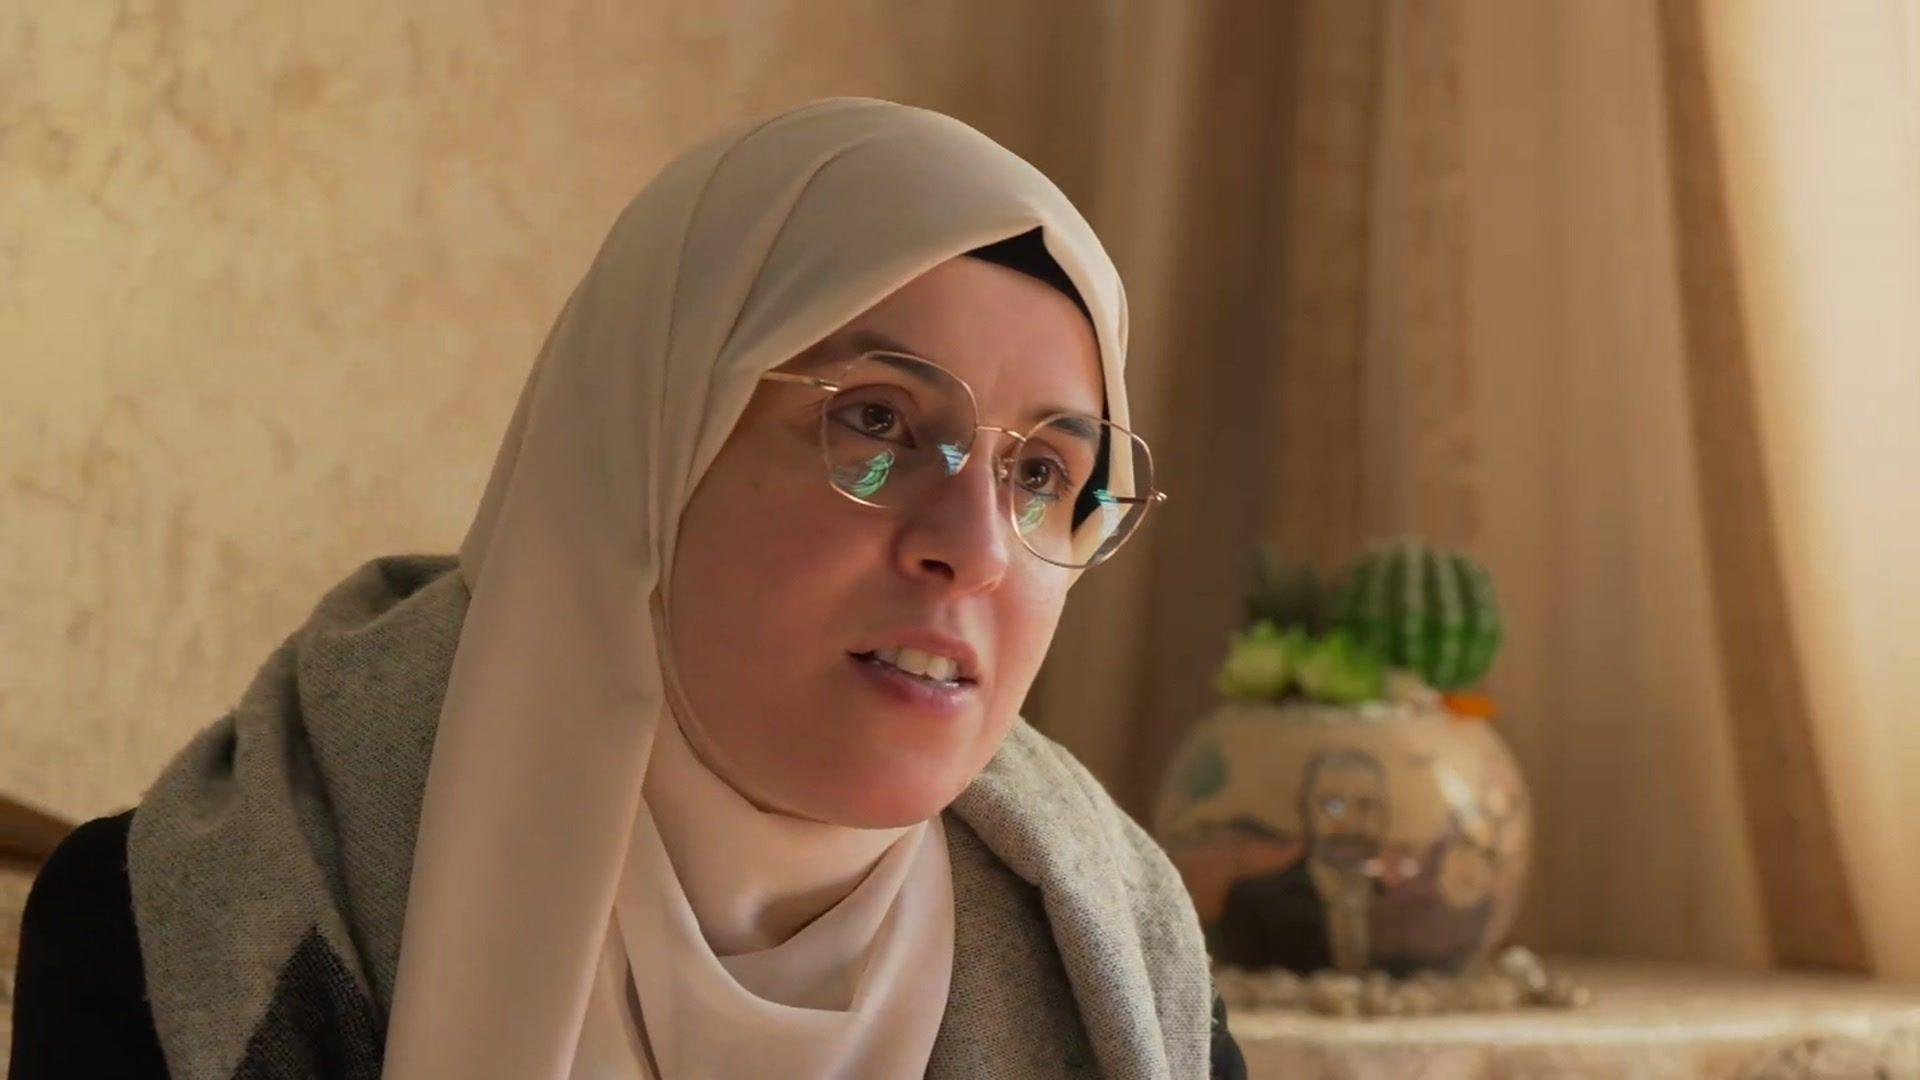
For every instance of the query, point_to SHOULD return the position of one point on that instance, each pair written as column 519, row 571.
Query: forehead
column 1015, row 340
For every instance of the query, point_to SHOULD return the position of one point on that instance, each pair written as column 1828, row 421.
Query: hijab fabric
column 860, row 991
column 541, row 854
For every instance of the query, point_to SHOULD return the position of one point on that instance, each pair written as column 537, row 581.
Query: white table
column 1648, row 1020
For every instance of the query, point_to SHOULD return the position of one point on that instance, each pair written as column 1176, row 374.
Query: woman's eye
column 873, row 419
column 1045, row 478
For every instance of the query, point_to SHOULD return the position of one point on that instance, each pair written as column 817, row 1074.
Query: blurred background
column 1623, row 296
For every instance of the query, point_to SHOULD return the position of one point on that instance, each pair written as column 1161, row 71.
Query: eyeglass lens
column 899, row 426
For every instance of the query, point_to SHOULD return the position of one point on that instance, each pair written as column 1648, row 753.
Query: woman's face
column 783, row 588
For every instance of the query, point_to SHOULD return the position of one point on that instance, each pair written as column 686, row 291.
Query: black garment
column 1227, row 1062
column 80, row 999
column 1276, row 920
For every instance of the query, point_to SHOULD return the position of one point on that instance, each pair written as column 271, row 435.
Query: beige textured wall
column 271, row 276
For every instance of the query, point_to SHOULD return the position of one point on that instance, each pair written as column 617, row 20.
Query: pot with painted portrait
column 1351, row 805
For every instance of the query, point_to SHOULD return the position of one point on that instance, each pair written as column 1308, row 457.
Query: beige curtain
column 1807, row 278
column 1620, row 296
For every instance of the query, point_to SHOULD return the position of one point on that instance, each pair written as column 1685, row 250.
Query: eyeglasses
column 896, row 425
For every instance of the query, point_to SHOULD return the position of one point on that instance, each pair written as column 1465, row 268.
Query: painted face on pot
column 1344, row 805
column 788, row 598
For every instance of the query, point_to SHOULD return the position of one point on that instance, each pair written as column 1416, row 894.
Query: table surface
column 1646, row 1020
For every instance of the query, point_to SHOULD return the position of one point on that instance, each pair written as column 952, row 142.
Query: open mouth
column 952, row 682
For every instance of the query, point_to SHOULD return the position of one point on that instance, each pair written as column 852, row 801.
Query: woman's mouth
column 920, row 688
column 926, row 677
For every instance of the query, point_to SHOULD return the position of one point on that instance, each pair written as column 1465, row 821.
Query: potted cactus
column 1349, row 805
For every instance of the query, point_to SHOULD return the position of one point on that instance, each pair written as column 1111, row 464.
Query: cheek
column 1026, row 617
column 742, row 582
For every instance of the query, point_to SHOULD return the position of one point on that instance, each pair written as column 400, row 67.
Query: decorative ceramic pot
column 1381, row 836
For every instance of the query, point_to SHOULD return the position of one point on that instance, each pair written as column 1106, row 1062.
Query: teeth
column 924, row 664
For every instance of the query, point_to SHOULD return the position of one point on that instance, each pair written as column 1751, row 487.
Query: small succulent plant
column 1260, row 662
column 1285, row 594
column 1339, row 670
column 1266, row 663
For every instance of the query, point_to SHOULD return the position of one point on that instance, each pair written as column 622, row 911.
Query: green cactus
column 1426, row 609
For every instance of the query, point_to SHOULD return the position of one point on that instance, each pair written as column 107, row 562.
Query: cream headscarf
column 743, row 252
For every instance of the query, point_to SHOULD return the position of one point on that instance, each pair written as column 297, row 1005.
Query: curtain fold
column 1816, row 117
column 1811, row 917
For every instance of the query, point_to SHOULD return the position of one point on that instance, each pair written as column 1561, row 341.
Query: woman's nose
column 958, row 532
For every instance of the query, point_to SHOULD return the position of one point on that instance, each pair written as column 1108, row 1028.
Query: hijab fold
column 858, row 990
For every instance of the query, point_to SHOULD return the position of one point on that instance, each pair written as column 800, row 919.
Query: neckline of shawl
column 754, row 878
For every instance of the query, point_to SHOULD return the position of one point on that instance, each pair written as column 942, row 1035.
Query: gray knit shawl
column 269, row 866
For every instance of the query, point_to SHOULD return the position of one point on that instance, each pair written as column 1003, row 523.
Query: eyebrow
column 860, row 342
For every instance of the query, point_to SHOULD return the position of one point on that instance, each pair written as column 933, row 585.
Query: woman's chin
column 881, row 799
column 867, row 769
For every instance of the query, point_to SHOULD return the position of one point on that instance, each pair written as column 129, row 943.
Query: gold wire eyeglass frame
column 1001, row 466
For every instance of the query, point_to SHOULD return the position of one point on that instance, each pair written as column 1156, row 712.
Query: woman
column 702, row 759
